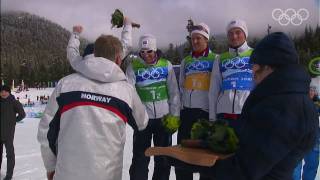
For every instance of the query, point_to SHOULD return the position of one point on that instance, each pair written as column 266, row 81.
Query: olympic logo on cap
column 236, row 62
column 198, row 65
column 154, row 73
column 290, row 16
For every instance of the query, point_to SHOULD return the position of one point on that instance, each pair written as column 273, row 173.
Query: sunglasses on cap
column 199, row 28
column 146, row 51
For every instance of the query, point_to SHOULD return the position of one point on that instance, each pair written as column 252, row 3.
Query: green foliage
column 171, row 123
column 117, row 19
column 217, row 136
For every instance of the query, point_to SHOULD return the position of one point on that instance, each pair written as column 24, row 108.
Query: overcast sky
column 166, row 19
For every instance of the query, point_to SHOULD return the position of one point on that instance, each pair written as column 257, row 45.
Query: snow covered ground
column 29, row 164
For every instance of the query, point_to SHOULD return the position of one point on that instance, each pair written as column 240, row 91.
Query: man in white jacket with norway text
column 82, row 132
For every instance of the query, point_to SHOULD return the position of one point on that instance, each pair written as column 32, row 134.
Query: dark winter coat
column 9, row 108
column 279, row 126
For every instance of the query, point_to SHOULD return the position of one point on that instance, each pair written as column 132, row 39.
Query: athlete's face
column 148, row 55
column 199, row 42
column 236, row 37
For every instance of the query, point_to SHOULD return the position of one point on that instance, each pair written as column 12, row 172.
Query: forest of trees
column 34, row 49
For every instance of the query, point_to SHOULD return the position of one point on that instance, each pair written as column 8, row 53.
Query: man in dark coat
column 10, row 107
column 278, row 121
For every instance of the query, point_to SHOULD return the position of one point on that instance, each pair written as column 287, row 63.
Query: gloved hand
column 171, row 123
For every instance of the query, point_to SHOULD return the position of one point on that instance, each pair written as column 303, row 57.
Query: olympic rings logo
column 314, row 66
column 290, row 16
column 198, row 65
column 154, row 73
column 236, row 62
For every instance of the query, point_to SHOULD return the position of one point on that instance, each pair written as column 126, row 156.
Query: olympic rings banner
column 290, row 16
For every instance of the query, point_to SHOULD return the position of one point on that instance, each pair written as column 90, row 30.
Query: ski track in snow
column 29, row 165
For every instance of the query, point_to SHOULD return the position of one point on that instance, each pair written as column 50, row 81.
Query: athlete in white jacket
column 194, row 82
column 156, row 84
column 82, row 132
column 231, row 78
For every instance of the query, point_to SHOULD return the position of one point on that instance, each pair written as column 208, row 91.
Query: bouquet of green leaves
column 216, row 136
column 171, row 123
column 117, row 20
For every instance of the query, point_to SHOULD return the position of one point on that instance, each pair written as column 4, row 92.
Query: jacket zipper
column 190, row 98
column 235, row 91
column 154, row 110
column 234, row 97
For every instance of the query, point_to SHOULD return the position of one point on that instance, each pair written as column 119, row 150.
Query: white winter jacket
column 228, row 101
column 83, row 129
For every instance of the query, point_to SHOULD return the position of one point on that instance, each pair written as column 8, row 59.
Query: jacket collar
column 99, row 69
column 235, row 51
column 204, row 53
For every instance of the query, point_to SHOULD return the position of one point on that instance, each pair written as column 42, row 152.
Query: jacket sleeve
column 48, row 157
column 73, row 53
column 139, row 112
column 173, row 90
column 19, row 110
column 138, row 109
column 215, row 88
column 181, row 81
column 126, row 38
column 131, row 77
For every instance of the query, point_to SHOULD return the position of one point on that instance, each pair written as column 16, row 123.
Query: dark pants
column 141, row 141
column 188, row 117
column 10, row 156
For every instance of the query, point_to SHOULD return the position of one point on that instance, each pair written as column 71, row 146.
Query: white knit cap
column 205, row 31
column 148, row 42
column 238, row 23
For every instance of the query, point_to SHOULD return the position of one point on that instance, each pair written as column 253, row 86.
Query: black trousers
column 188, row 117
column 10, row 156
column 141, row 141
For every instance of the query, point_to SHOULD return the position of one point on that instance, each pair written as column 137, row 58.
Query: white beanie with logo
column 238, row 23
column 148, row 42
column 202, row 29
